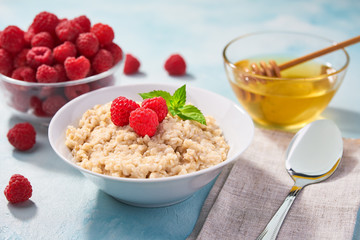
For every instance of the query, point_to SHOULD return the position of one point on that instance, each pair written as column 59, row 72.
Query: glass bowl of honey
column 300, row 94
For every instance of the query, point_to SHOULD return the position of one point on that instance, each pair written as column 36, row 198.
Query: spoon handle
column 272, row 228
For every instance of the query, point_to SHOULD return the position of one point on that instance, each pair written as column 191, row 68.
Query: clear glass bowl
column 303, row 91
column 38, row 102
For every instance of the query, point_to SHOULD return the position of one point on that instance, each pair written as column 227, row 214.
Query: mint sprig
column 176, row 104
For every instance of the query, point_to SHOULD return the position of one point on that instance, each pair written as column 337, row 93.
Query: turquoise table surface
column 64, row 204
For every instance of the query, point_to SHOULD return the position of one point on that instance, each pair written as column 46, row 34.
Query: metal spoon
column 312, row 156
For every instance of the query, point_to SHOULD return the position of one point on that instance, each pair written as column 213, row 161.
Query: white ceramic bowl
column 237, row 127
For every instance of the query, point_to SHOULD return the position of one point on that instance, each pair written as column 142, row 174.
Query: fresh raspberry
column 83, row 22
column 42, row 39
column 72, row 92
column 87, row 44
column 120, row 110
column 46, row 91
column 105, row 82
column 66, row 31
column 26, row 74
column 5, row 62
column 45, row 22
column 46, row 74
column 175, row 65
column 144, row 121
column 12, row 39
column 62, row 77
column 39, row 55
column 115, row 51
column 131, row 65
column 20, row 100
column 52, row 104
column 36, row 105
column 158, row 105
column 61, row 52
column 28, row 35
column 103, row 32
column 22, row 136
column 77, row 68
column 102, row 61
column 18, row 190
column 20, row 58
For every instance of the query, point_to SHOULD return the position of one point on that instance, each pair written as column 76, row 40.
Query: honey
column 289, row 103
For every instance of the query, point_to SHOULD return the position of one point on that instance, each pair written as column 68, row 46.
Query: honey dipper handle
column 319, row 53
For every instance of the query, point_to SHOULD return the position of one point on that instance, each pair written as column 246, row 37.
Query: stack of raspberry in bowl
column 55, row 61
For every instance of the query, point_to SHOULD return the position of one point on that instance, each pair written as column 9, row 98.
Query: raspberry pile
column 143, row 119
column 18, row 190
column 55, row 50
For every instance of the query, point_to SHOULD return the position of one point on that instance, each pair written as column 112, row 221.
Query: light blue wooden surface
column 66, row 206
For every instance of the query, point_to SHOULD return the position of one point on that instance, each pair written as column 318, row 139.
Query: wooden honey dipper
column 273, row 70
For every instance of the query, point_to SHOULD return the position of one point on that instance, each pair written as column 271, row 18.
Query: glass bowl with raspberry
column 54, row 61
column 36, row 101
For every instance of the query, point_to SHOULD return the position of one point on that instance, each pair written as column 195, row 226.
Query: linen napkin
column 246, row 195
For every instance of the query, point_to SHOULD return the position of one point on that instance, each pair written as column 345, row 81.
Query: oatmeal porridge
column 178, row 147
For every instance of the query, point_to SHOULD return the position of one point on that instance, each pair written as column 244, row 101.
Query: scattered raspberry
column 39, row 55
column 22, row 136
column 120, row 110
column 61, row 52
column 131, row 65
column 46, row 74
column 103, row 32
column 102, row 61
column 115, row 51
column 52, row 104
column 36, row 105
column 87, row 44
column 175, row 65
column 18, row 190
column 77, row 68
column 72, row 92
column 5, row 62
column 26, row 74
column 144, row 121
column 158, row 105
column 66, row 31
column 83, row 22
column 62, row 77
column 42, row 39
column 12, row 39
column 45, row 22
column 20, row 58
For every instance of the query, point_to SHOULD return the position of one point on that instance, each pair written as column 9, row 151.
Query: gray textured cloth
column 245, row 197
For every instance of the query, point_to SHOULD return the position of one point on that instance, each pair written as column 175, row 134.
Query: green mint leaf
column 176, row 104
column 157, row 93
column 191, row 112
column 173, row 111
column 178, row 99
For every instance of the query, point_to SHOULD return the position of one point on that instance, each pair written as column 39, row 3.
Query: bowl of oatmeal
column 179, row 159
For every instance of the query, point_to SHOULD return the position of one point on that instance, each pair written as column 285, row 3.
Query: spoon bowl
column 314, row 152
column 313, row 155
